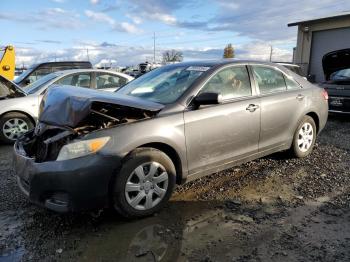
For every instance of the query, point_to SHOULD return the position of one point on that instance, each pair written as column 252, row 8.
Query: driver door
column 219, row 135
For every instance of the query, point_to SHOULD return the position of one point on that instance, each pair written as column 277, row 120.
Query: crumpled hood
column 335, row 61
column 68, row 106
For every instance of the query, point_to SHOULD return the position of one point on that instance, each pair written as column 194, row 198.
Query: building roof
column 321, row 19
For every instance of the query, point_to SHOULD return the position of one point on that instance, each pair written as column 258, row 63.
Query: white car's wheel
column 13, row 125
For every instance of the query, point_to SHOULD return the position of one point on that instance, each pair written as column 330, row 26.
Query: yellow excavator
column 7, row 62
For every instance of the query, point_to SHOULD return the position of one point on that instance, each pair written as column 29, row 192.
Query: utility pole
column 87, row 53
column 271, row 51
column 154, row 47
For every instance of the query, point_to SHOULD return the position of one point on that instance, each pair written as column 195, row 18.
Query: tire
column 17, row 120
column 147, row 194
column 303, row 144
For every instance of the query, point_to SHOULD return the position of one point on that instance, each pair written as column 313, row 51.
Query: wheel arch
column 171, row 153
column 32, row 119
column 316, row 119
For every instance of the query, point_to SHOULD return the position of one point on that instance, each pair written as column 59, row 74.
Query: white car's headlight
column 82, row 148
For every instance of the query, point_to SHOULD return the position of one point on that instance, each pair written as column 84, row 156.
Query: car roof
column 73, row 71
column 287, row 64
column 61, row 63
column 219, row 62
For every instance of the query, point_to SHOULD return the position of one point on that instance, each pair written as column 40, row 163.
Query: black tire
column 136, row 158
column 9, row 116
column 295, row 149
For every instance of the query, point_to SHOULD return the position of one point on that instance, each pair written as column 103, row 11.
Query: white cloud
column 99, row 17
column 135, row 19
column 132, row 55
column 94, row 2
column 127, row 27
column 45, row 19
column 104, row 18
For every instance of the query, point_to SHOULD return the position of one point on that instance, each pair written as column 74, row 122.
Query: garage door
column 324, row 42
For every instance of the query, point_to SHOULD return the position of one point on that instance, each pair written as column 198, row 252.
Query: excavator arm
column 7, row 62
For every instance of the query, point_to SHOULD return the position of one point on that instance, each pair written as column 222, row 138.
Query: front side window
column 165, row 84
column 232, row 82
column 268, row 79
column 109, row 81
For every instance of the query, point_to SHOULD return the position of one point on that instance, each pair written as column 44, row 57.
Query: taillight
column 325, row 94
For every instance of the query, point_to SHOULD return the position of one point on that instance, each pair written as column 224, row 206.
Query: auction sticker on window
column 198, row 68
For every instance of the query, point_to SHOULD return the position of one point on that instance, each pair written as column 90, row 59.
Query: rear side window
column 268, row 79
column 109, row 81
column 232, row 82
column 291, row 84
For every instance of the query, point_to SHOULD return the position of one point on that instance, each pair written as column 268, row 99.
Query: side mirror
column 209, row 98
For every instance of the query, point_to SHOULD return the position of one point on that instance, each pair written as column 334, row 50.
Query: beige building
column 318, row 37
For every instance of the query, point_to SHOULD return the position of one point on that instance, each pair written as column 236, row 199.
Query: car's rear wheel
column 144, row 184
column 13, row 125
column 304, row 137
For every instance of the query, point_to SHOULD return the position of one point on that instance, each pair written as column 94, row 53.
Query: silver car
column 19, row 108
column 171, row 125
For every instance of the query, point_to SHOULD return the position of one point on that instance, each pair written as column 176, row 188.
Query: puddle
column 173, row 235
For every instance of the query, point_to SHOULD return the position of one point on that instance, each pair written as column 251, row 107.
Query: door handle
column 252, row 108
column 300, row 97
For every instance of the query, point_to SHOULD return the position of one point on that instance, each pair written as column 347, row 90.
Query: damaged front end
column 70, row 113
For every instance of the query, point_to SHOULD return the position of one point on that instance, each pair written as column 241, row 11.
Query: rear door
column 282, row 104
column 217, row 135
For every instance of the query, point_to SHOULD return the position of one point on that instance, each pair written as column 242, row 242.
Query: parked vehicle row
column 19, row 108
column 36, row 71
column 128, row 149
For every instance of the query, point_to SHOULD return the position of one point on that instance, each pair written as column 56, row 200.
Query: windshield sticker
column 198, row 68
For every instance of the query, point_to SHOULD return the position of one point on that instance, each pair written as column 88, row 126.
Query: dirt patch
column 271, row 209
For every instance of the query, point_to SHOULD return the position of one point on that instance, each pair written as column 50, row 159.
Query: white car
column 19, row 108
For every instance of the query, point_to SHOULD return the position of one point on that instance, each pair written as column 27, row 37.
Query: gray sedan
column 19, row 108
column 172, row 125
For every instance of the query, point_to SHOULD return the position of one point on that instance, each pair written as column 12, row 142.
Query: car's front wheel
column 144, row 184
column 304, row 137
column 13, row 125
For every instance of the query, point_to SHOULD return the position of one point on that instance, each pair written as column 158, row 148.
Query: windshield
column 24, row 74
column 163, row 85
column 37, row 85
column 9, row 89
column 341, row 75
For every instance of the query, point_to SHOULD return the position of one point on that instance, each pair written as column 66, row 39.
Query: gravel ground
column 271, row 209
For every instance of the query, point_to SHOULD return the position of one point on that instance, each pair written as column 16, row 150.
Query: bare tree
column 172, row 56
column 229, row 51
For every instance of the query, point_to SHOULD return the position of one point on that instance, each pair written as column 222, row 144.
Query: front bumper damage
column 62, row 186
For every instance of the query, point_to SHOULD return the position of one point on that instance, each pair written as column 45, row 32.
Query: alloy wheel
column 305, row 137
column 14, row 128
column 146, row 186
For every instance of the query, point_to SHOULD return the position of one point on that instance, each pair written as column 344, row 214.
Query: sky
column 121, row 32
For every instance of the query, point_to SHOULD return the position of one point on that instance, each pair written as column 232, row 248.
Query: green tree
column 229, row 51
